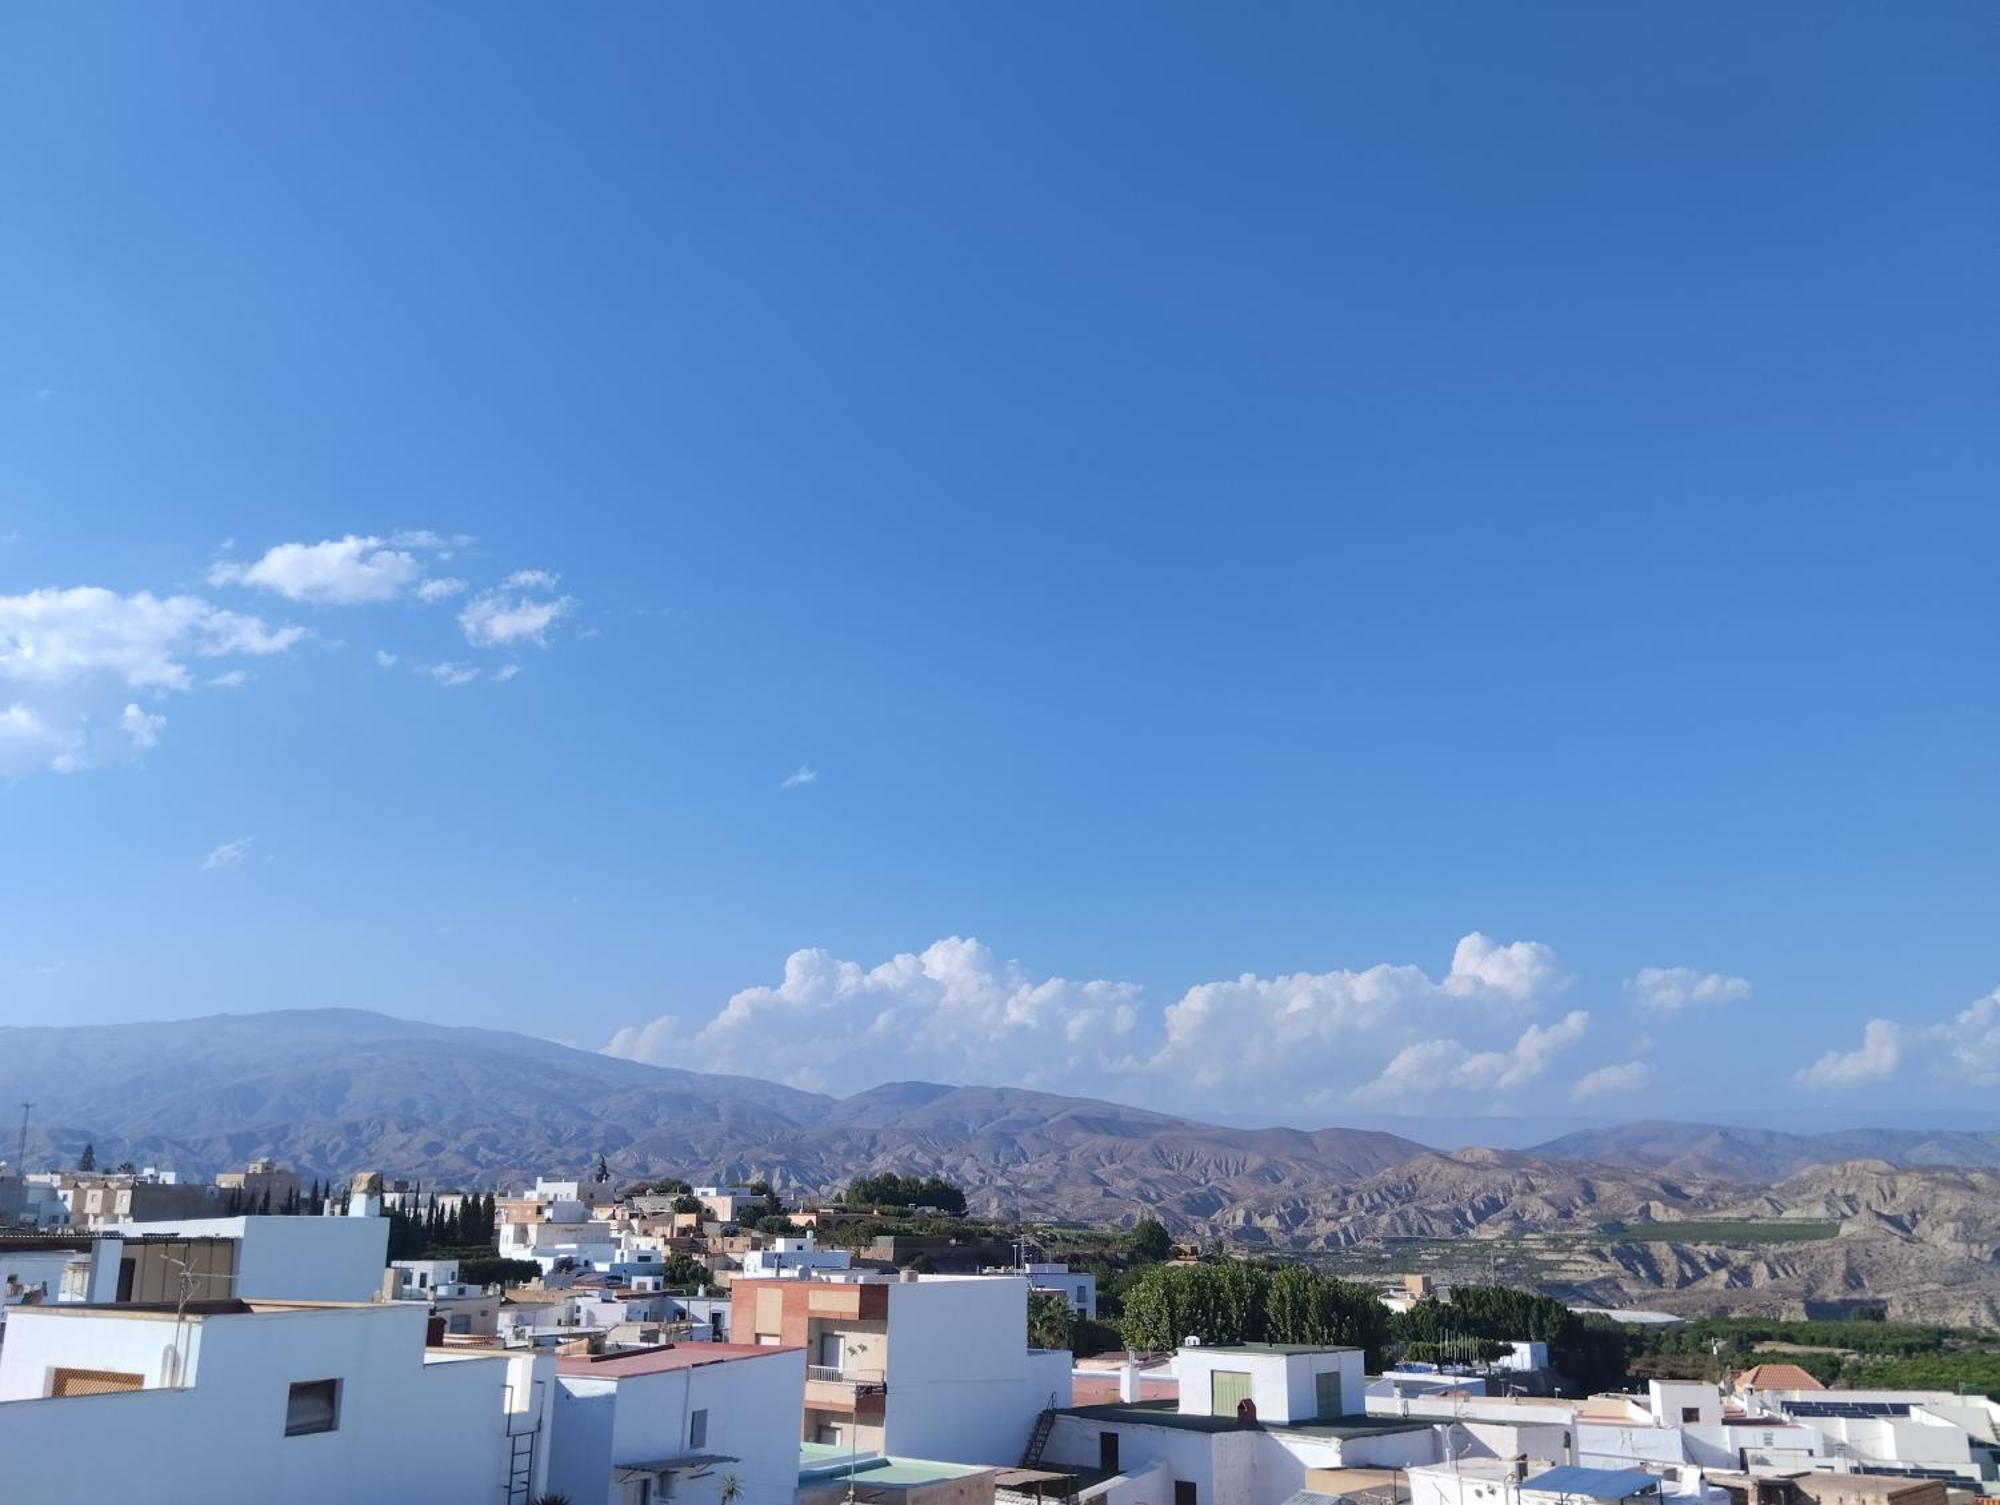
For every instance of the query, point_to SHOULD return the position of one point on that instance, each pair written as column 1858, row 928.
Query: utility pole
column 21, row 1164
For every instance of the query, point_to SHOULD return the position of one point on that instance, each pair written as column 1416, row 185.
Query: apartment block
column 931, row 1367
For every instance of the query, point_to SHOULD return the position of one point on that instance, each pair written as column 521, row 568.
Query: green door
column 1326, row 1393
column 1226, row 1389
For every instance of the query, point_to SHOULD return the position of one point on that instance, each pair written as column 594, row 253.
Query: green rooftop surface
column 821, row 1462
column 1165, row 1413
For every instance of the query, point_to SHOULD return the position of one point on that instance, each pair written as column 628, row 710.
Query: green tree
column 87, row 1161
column 892, row 1190
column 683, row 1272
column 1050, row 1321
column 1150, row 1241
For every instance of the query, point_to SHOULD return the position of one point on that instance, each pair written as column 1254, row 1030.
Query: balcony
column 853, row 1392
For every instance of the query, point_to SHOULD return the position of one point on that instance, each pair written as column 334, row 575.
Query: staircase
column 1031, row 1456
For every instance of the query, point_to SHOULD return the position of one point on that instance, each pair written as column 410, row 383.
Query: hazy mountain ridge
column 332, row 1091
column 1766, row 1154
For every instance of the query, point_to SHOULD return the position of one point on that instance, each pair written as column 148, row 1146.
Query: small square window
column 312, row 1406
column 1690, row 1415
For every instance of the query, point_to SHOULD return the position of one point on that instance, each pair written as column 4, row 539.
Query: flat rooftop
column 820, row 1463
column 1272, row 1348
column 662, row 1360
column 1168, row 1414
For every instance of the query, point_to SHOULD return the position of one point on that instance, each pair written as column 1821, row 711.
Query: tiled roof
column 1776, row 1377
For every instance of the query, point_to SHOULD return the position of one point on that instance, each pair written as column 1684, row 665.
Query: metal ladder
column 520, row 1467
column 1031, row 1456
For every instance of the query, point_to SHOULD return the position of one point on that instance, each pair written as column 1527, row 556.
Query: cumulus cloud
column 1612, row 1081
column 350, row 571
column 441, row 589
column 1428, row 1067
column 384, row 659
column 1519, row 973
column 803, row 774
column 71, row 661
column 954, row 1012
column 1874, row 1060
column 1279, row 1027
column 228, row 854
column 514, row 613
column 1670, row 989
column 451, row 674
column 1971, row 1040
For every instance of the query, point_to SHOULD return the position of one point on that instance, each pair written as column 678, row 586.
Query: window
column 827, row 1434
column 312, row 1406
column 1107, row 1452
column 698, row 1429
column 1690, row 1415
column 1184, row 1492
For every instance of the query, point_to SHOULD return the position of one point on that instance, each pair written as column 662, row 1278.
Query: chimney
column 364, row 1198
column 1128, row 1382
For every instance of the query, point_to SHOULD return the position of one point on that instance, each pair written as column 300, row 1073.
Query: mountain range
column 1591, row 1213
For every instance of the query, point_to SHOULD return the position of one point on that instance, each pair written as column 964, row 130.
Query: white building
column 276, row 1258
column 428, row 1279
column 1077, row 1287
column 934, row 1367
column 1889, row 1431
column 793, row 1256
column 312, row 1405
column 678, row 1423
column 1251, row 1426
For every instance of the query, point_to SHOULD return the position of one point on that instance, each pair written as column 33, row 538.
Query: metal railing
column 838, row 1375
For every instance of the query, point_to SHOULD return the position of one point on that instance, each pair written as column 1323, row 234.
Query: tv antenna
column 21, row 1164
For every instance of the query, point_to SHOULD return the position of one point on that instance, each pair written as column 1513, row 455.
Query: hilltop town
column 586, row 1339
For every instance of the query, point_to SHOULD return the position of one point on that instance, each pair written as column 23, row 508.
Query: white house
column 275, row 1258
column 1252, row 1423
column 1077, row 1287
column 310, row 1404
column 935, row 1366
column 793, row 1256
column 679, row 1422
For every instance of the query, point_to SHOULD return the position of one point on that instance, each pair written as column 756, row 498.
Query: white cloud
column 1283, row 1030
column 1520, row 973
column 531, row 580
column 141, row 728
column 504, row 617
column 951, row 1010
column 71, row 661
column 803, row 774
column 235, row 679
column 451, row 674
column 384, row 659
column 350, row 571
column 1971, row 1040
column 1875, row 1060
column 1612, row 1081
column 1445, row 1065
column 228, row 854
column 441, row 589
column 505, row 672
column 1670, row 989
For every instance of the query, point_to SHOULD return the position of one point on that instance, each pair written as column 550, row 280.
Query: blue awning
column 1594, row 1483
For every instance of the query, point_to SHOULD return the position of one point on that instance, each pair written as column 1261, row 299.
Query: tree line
column 1238, row 1301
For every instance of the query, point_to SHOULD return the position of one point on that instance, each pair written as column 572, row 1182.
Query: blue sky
column 1225, row 510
